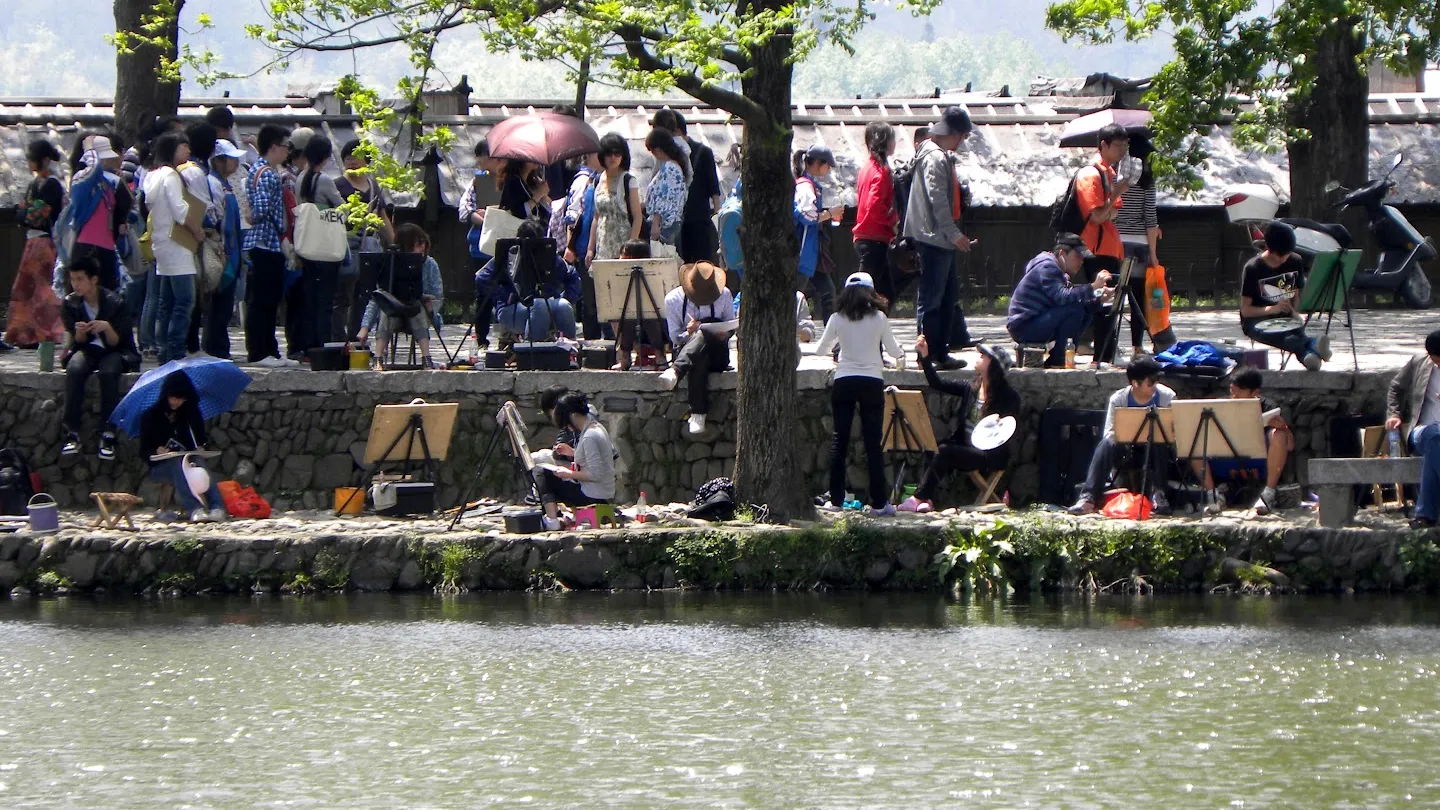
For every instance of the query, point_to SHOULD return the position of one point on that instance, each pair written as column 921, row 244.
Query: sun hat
column 860, row 278
column 102, row 148
column 702, row 283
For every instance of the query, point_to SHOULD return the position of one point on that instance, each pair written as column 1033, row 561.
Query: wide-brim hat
column 702, row 283
column 102, row 147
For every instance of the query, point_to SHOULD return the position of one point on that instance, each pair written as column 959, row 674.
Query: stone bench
column 1334, row 480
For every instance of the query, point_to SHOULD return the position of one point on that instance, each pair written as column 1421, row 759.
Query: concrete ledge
column 1365, row 470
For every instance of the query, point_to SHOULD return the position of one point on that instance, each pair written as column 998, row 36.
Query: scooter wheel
column 1415, row 289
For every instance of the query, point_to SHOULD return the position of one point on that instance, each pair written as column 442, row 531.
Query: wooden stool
column 600, row 513
column 114, row 506
column 987, row 486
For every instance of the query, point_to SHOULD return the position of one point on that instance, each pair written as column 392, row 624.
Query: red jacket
column 875, row 216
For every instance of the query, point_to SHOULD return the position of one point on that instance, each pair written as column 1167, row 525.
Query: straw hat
column 702, row 283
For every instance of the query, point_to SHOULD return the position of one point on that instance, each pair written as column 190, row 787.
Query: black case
column 541, row 358
column 412, row 498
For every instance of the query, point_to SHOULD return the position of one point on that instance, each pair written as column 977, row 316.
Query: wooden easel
column 1372, row 445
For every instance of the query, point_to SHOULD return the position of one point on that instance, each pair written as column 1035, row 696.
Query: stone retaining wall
column 297, row 434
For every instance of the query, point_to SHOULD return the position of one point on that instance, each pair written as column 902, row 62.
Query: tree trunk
column 767, row 468
column 1337, row 114
column 140, row 95
column 582, row 86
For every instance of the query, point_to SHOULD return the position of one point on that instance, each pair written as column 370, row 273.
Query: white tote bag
column 499, row 224
column 320, row 236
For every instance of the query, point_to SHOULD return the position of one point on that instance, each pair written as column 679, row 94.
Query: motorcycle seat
column 1335, row 231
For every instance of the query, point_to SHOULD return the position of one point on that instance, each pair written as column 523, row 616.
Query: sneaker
column 669, row 378
column 914, row 504
column 1159, row 504
column 1215, row 501
column 288, row 363
column 697, row 423
column 1420, row 524
column 948, row 363
column 1312, row 361
column 1084, row 506
column 71, row 446
column 1322, row 348
column 551, row 524
column 888, row 510
column 107, row 446
column 269, row 362
column 199, row 516
column 167, row 516
column 1266, row 504
column 219, row 515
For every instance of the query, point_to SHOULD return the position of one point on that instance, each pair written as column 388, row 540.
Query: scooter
column 1402, row 248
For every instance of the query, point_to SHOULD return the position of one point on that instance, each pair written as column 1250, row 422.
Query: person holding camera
column 1049, row 306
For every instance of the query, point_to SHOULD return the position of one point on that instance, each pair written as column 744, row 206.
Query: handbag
column 212, row 261
column 499, row 224
column 1127, row 506
column 1157, row 300
column 320, row 235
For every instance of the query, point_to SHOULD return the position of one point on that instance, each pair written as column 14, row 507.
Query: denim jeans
column 1286, row 334
column 936, row 297
column 170, row 471
column 533, row 322
column 1061, row 325
column 1108, row 458
column 172, row 316
column 1425, row 440
column 149, row 305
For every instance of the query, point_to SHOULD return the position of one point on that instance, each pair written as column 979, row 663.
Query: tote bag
column 320, row 236
column 499, row 224
column 1157, row 300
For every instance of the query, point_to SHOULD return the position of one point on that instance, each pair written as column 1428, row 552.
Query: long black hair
column 164, row 148
column 880, row 140
column 1142, row 148
column 661, row 141
column 40, row 151
column 856, row 301
column 316, row 151
column 1000, row 395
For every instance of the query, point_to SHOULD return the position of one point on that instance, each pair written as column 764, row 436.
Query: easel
column 1201, row 419
column 640, row 278
column 1337, row 271
column 414, row 433
column 1117, row 310
column 1372, row 445
column 633, row 289
column 530, row 273
column 509, row 425
column 907, row 430
column 1153, row 421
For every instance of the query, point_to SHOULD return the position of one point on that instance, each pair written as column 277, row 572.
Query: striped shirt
column 1137, row 212
column 267, row 208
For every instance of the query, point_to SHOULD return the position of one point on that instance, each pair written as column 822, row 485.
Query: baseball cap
column 1074, row 244
column 224, row 148
column 299, row 138
column 955, row 121
column 860, row 278
column 101, row 145
column 821, row 154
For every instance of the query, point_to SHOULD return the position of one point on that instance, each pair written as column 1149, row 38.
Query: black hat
column 1280, row 238
column 955, row 121
column 1074, row 244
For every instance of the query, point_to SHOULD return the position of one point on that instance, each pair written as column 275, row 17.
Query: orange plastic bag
column 1157, row 300
column 243, row 502
column 1127, row 506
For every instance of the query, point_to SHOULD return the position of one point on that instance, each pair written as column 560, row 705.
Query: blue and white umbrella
column 218, row 382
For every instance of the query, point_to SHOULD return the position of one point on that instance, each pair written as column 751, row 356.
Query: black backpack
column 1065, row 215
column 16, row 489
column 903, row 177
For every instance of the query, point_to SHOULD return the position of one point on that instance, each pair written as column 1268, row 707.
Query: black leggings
column 554, row 489
column 868, row 394
column 953, row 457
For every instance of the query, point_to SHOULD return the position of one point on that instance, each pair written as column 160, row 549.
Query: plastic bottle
column 1392, row 438
column 1070, row 353
column 642, row 508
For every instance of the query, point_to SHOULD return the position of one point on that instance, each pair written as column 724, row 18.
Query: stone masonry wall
column 298, row 434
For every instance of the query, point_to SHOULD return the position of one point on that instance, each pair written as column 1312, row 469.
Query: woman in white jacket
column 860, row 327
column 174, row 262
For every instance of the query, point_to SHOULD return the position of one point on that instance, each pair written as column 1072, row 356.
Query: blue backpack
column 729, row 219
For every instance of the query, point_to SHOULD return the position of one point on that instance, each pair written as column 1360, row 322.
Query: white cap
column 102, row 148
column 860, row 278
column 224, row 148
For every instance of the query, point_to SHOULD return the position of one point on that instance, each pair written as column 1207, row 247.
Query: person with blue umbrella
column 174, row 425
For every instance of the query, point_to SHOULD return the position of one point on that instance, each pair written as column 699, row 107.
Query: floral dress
column 612, row 226
column 34, row 308
column 665, row 198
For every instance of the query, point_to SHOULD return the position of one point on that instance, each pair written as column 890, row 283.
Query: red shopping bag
column 1127, row 506
column 243, row 502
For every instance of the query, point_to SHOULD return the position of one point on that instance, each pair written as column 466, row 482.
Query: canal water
column 704, row 700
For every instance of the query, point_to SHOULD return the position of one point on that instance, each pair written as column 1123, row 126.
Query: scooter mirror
column 1332, row 186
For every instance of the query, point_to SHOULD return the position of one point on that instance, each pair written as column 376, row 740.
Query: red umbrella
column 1085, row 130
column 542, row 138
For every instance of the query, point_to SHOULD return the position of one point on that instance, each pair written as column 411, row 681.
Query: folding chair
column 987, row 486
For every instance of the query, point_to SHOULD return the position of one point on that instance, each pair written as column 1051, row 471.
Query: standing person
column 268, row 222
column 174, row 263
column 1413, row 409
column 318, row 279
column 198, row 183
column 223, row 120
column 591, row 478
column 701, row 298
column 876, row 218
column 358, row 180
column 1051, row 304
column 34, row 308
column 665, row 196
column 1098, row 193
column 698, row 239
column 619, row 216
column 232, row 236
column 515, row 188
column 988, row 393
column 472, row 216
column 1144, row 391
column 668, row 121
column 101, row 342
column 729, row 220
column 931, row 215
column 296, row 332
column 810, row 213
column 173, row 425
column 1139, row 226
column 579, row 226
column 1269, row 289
column 100, row 206
column 861, row 329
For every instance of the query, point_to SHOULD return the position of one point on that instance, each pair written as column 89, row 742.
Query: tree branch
column 318, row 44
column 727, row 100
column 734, row 56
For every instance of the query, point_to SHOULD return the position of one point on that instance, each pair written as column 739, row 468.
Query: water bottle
column 1392, row 439
column 642, row 508
column 1070, row 353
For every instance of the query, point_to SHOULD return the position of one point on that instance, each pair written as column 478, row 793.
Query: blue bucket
column 44, row 517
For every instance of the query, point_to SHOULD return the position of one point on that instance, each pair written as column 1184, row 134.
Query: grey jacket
column 1407, row 391
column 928, row 211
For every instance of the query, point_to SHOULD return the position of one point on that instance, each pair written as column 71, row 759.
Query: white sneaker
column 697, row 423
column 551, row 524
column 270, row 362
column 288, row 363
column 669, row 378
column 199, row 516
column 1322, row 348
column 218, row 515
column 1266, row 504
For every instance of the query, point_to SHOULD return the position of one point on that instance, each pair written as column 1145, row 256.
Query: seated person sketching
column 554, row 305
column 1144, row 391
column 174, row 425
column 1050, row 305
column 1269, row 289
column 652, row 330
column 591, row 478
column 409, row 238
column 701, row 298
column 1235, row 475
column 1413, row 409
column 988, row 392
column 563, row 451
column 98, row 341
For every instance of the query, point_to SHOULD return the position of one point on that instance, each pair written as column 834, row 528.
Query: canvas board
column 1130, row 424
column 1240, row 419
column 390, row 420
column 612, row 280
column 912, row 407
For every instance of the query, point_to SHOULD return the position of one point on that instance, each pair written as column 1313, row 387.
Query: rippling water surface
column 681, row 700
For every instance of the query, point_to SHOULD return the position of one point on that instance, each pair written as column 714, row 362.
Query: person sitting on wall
column 99, row 340
column 554, row 306
column 174, row 425
column 1413, row 409
column 652, row 330
column 1049, row 306
column 1236, row 475
column 591, row 477
column 1144, row 391
column 701, row 298
column 1269, row 287
column 988, row 392
column 409, row 238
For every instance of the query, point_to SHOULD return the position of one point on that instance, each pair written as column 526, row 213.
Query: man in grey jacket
column 931, row 215
column 1413, row 409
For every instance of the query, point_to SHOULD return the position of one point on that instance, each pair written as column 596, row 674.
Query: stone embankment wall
column 298, row 434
